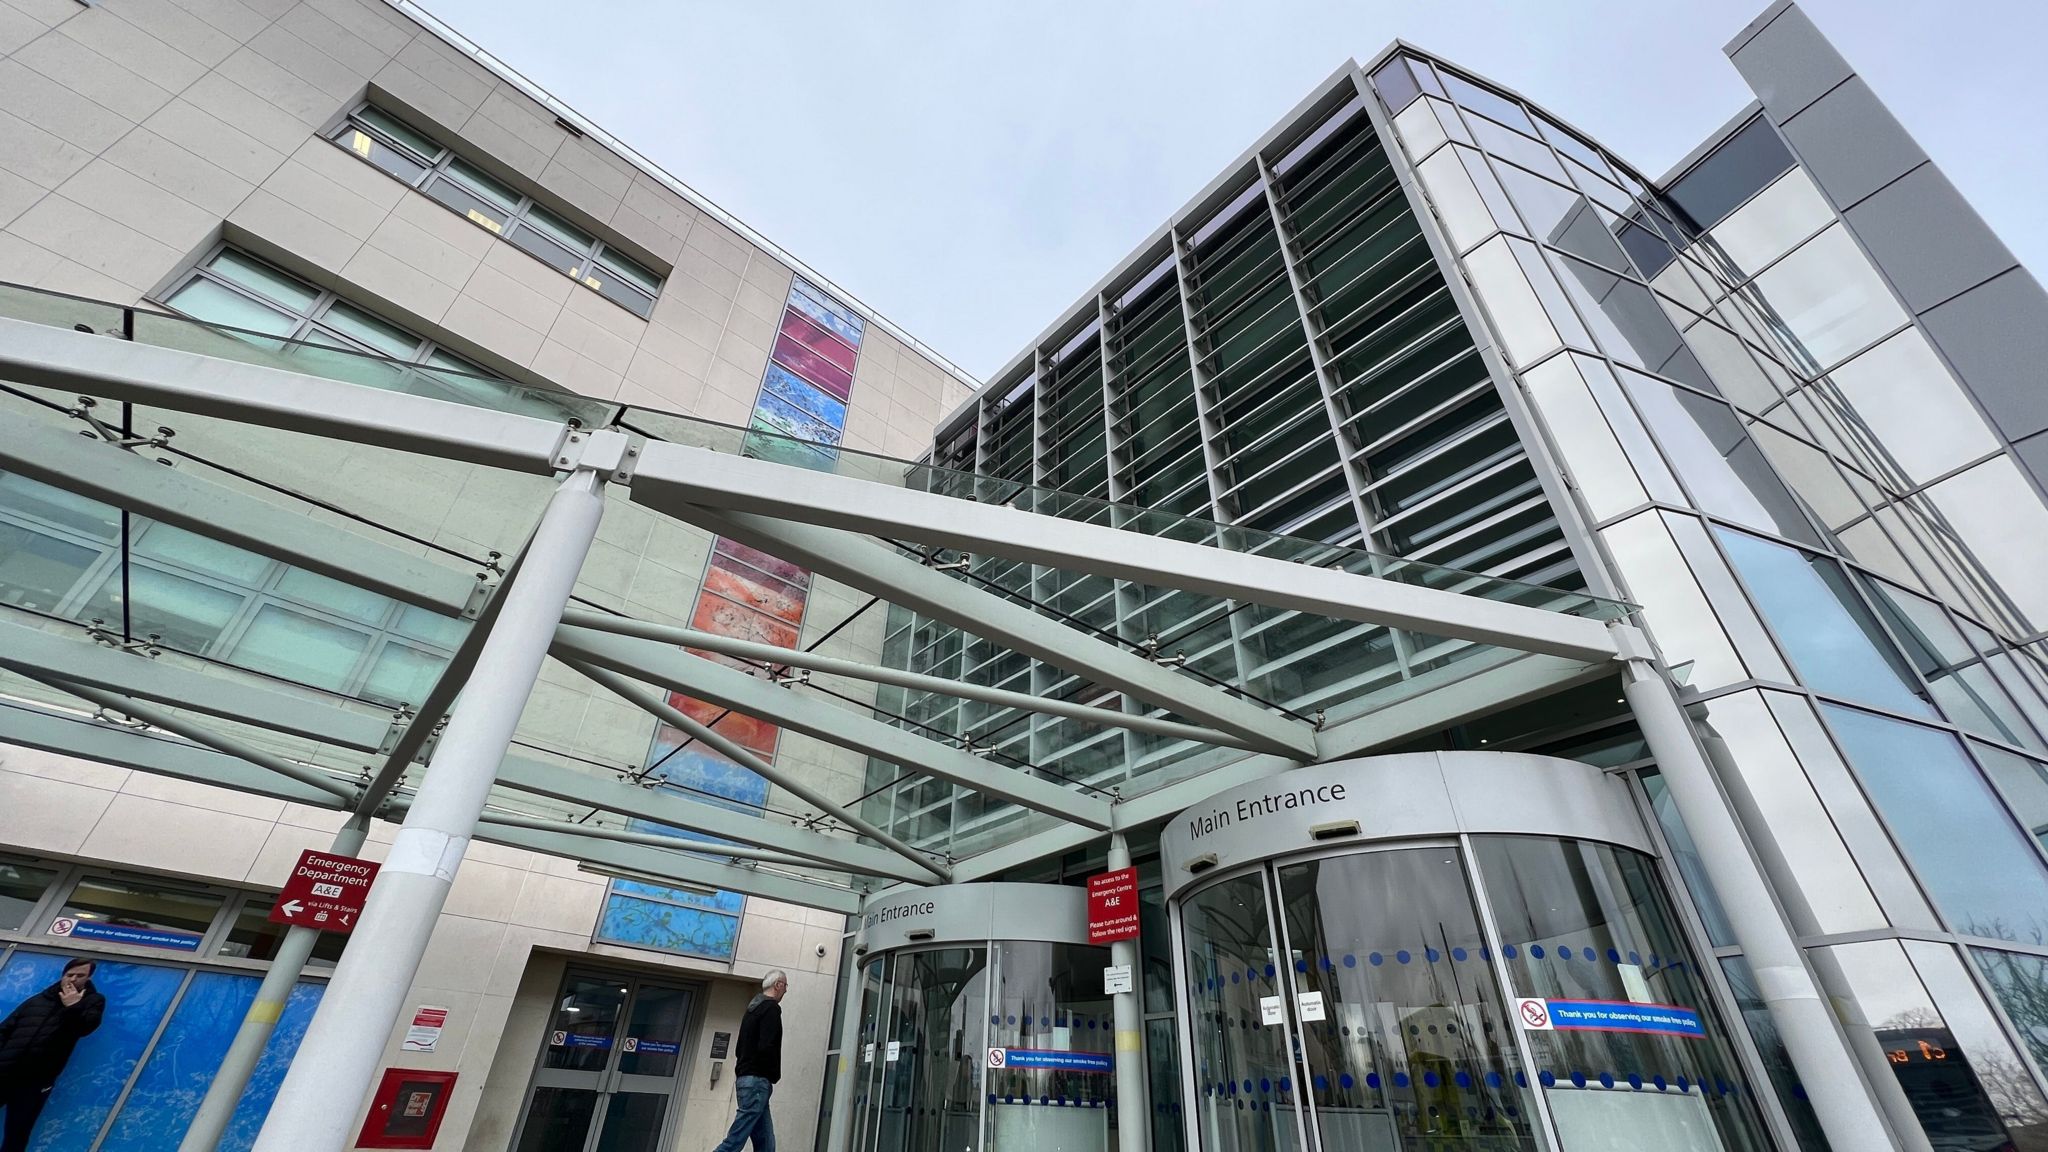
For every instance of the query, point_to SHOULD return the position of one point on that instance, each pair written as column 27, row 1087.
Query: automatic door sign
column 1270, row 1011
column 1609, row 1016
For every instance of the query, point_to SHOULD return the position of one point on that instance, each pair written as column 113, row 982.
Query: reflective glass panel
column 1767, row 227
column 937, row 1033
column 1725, row 471
column 138, row 997
column 1232, row 965
column 1054, row 994
column 1487, row 102
column 21, row 888
column 1588, row 922
column 1984, row 875
column 132, row 912
column 1624, row 316
column 1587, row 444
column 1763, row 1029
column 1525, row 329
column 260, row 278
column 1749, row 159
column 1831, row 638
column 203, row 299
column 1830, row 298
column 1914, row 407
column 2020, row 981
column 1403, row 1030
column 1450, row 188
column 1515, row 147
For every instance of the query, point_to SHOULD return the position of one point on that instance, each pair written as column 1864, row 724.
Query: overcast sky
column 970, row 169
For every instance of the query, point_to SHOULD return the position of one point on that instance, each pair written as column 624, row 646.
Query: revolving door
column 982, row 1024
column 1440, row 951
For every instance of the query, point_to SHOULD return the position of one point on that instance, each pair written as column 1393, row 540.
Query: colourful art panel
column 813, row 367
column 800, row 394
column 754, row 558
column 841, row 320
column 735, row 581
column 804, row 331
column 792, row 421
column 799, row 417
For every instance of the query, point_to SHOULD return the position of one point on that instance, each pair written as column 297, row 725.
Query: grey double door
column 609, row 1068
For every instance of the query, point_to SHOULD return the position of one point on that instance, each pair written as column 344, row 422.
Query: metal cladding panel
column 975, row 914
column 1408, row 796
column 1996, row 335
column 1852, row 144
column 1927, row 238
column 1789, row 64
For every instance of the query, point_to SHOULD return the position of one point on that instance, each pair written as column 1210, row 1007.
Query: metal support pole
column 1841, row 1099
column 210, row 1123
column 316, row 1107
column 1133, row 1117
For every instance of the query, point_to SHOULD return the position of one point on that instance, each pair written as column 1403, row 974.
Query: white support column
column 217, row 1110
column 315, row 1110
column 1133, row 1112
column 1841, row 1099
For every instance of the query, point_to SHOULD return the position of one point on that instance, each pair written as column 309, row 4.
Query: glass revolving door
column 918, row 1079
column 1356, row 1002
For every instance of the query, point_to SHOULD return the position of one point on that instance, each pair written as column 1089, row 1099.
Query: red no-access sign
column 325, row 891
column 1113, row 906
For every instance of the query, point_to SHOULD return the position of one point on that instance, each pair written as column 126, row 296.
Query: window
column 237, row 290
column 137, row 913
column 1743, row 164
column 21, row 889
column 490, row 203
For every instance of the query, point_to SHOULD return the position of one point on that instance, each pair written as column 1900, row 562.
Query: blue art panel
column 790, row 420
column 764, row 441
column 137, row 995
column 651, row 924
column 271, row 1067
column 796, row 390
column 707, row 776
column 175, row 1077
column 834, row 316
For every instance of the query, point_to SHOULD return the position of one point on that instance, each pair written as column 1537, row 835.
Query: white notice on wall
column 1270, row 1012
column 1311, row 1006
column 867, row 1053
column 1115, row 979
column 895, row 1050
column 424, row 1033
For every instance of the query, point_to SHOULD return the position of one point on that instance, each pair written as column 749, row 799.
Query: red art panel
column 735, row 581
column 799, row 327
column 758, row 736
column 813, row 367
column 753, row 557
column 721, row 617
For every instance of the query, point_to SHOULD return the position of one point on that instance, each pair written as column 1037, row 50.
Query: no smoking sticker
column 997, row 1057
column 1534, row 1014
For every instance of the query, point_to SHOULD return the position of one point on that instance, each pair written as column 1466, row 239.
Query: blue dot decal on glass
column 1265, row 1085
column 991, row 1097
column 1433, row 955
column 1508, row 950
column 1431, row 1079
column 1375, row 959
column 1400, row 1079
column 1659, row 1082
column 1544, row 1078
column 1301, row 966
column 1269, row 971
column 1091, row 1025
column 1322, row 1083
column 1372, row 1080
column 1536, row 950
column 1606, row 1080
column 1350, row 961
column 1345, row 1080
column 1635, row 1081
column 1684, row 1085
column 1493, row 1079
column 1013, row 1020
column 995, row 1019
column 1402, row 956
column 1234, row 977
column 1635, row 958
column 1566, row 953
column 1045, row 1021
column 1613, row 957
column 1251, row 973
column 1578, row 1078
column 1286, row 1085
column 1327, row 966
column 1458, row 955
column 1463, row 1079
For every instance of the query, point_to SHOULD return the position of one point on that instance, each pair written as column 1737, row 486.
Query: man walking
column 757, row 1067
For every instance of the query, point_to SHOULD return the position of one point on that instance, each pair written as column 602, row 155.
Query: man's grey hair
column 773, row 978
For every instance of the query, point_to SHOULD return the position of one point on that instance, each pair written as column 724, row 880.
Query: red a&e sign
column 1113, row 906
column 325, row 891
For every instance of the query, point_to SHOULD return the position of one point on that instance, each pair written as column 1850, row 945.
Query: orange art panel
column 777, row 600
column 718, row 615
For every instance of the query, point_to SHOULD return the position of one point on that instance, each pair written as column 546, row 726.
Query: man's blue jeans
column 752, row 1121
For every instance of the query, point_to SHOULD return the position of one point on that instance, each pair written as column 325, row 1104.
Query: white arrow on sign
column 292, row 908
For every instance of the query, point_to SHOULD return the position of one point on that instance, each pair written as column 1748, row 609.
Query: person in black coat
column 36, row 1041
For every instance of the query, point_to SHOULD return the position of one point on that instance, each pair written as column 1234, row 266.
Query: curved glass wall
column 927, row 1077
column 1368, row 1000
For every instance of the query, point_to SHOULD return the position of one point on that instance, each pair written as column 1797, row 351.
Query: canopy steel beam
column 94, row 468
column 661, row 709
column 674, row 866
column 151, row 752
column 672, row 808
column 200, row 734
column 672, row 476
column 733, row 689
column 37, row 654
column 650, row 839
column 853, row 669
column 50, row 357
column 884, row 572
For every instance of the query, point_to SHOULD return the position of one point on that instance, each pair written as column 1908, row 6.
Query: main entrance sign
column 325, row 891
